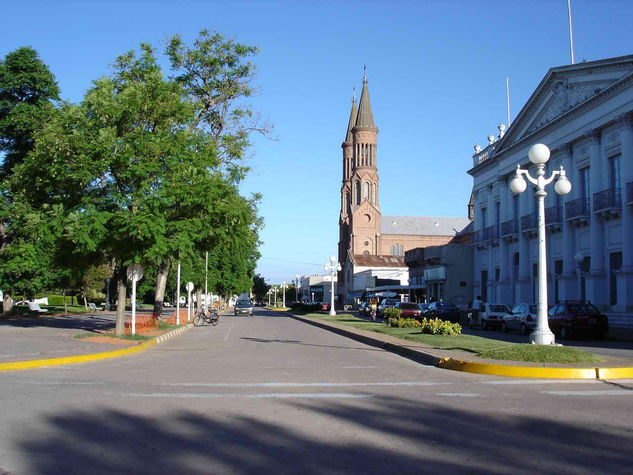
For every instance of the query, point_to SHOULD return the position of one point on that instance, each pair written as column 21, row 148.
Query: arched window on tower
column 373, row 193
column 348, row 202
column 357, row 192
column 366, row 191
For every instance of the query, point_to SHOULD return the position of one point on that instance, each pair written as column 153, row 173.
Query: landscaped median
column 472, row 353
column 142, row 343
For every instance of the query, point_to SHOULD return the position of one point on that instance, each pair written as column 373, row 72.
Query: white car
column 521, row 318
column 490, row 316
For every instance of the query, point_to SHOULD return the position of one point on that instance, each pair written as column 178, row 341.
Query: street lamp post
column 297, row 288
column 283, row 295
column 275, row 296
column 332, row 267
column 270, row 291
column 539, row 155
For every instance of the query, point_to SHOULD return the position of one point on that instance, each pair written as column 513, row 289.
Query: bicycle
column 206, row 316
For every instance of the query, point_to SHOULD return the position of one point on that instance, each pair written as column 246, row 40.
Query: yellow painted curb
column 66, row 360
column 534, row 371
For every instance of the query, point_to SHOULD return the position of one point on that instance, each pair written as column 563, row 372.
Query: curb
column 66, row 360
column 512, row 371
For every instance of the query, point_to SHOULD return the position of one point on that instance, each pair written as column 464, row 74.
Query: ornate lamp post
column 332, row 267
column 283, row 294
column 297, row 288
column 539, row 155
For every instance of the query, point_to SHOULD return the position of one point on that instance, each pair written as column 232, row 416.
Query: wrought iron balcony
column 577, row 211
column 554, row 218
column 529, row 224
column 510, row 230
column 629, row 193
column 608, row 203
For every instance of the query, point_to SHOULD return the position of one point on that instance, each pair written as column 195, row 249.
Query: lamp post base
column 332, row 312
column 542, row 337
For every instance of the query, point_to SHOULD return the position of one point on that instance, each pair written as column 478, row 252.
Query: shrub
column 440, row 327
column 391, row 312
column 58, row 300
column 404, row 323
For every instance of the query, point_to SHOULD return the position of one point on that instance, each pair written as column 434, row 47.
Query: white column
column 596, row 280
column 568, row 281
column 504, row 248
column 625, row 276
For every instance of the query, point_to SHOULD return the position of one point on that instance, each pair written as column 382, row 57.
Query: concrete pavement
column 40, row 341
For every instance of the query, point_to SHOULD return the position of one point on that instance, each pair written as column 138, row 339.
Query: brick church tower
column 359, row 223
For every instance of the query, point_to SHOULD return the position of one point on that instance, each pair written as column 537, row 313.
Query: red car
column 409, row 310
column 325, row 307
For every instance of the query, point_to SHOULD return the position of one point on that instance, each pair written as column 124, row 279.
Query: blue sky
column 436, row 73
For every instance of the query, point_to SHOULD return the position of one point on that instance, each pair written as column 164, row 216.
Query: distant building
column 371, row 244
column 316, row 288
column 584, row 114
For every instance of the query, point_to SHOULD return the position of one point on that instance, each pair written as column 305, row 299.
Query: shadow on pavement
column 77, row 322
column 390, row 435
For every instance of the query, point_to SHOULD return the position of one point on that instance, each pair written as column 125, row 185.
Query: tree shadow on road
column 323, row 436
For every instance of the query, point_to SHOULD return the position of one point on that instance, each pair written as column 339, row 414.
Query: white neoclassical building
column 584, row 114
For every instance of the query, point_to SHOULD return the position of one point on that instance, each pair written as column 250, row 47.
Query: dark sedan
column 577, row 317
column 444, row 311
column 244, row 307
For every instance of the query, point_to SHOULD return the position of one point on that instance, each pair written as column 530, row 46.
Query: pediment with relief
column 562, row 91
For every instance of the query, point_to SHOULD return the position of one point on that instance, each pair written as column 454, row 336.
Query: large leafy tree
column 260, row 287
column 27, row 92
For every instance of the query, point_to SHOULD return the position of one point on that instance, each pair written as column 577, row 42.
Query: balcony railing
column 554, row 218
column 528, row 222
column 510, row 229
column 608, row 203
column 629, row 193
column 490, row 233
column 577, row 211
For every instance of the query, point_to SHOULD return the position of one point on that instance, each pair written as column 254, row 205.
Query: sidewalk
column 614, row 367
column 48, row 340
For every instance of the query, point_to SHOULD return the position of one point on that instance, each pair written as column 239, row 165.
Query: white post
column 134, row 273
column 178, row 295
column 133, row 300
column 190, row 287
column 332, row 267
column 206, row 277
column 283, row 296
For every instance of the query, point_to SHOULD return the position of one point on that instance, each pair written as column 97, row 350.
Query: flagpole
column 508, row 98
column 571, row 33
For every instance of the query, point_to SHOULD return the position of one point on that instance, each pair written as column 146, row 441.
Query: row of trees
column 145, row 169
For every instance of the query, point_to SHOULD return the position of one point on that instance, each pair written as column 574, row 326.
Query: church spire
column 352, row 119
column 365, row 118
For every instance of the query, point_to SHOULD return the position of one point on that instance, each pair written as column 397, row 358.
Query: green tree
column 27, row 89
column 260, row 287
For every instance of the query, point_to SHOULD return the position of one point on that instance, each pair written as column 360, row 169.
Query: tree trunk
column 65, row 304
column 198, row 300
column 161, row 283
column 120, row 303
column 7, row 305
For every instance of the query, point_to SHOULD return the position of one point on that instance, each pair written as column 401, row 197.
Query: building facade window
column 366, row 191
column 397, row 250
column 358, row 192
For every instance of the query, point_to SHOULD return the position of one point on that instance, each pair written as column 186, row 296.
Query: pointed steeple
column 364, row 117
column 352, row 119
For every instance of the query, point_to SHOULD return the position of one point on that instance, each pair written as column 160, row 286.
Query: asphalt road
column 269, row 394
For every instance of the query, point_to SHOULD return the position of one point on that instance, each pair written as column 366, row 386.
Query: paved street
column 269, row 394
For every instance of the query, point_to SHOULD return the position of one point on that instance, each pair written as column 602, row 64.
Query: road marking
column 542, row 381
column 53, row 383
column 459, row 394
column 290, row 385
column 360, row 367
column 606, row 392
column 227, row 333
column 249, row 396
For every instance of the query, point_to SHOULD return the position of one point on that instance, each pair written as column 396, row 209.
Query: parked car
column 384, row 304
column 443, row 310
column 408, row 309
column 522, row 318
column 490, row 316
column 576, row 317
column 243, row 307
column 423, row 308
column 325, row 306
column 365, row 309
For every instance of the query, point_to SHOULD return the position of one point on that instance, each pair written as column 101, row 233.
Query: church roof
column 365, row 118
column 423, row 225
column 365, row 260
column 352, row 119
